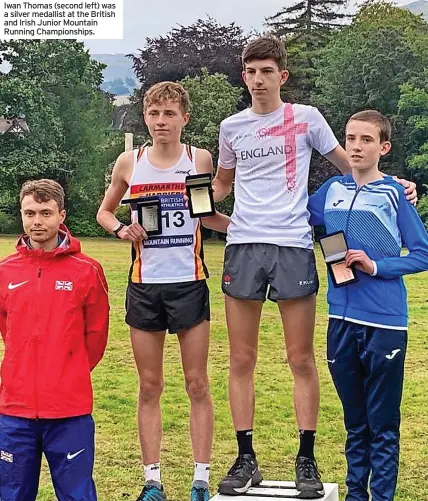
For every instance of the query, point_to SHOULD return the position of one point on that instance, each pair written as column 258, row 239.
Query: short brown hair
column 167, row 91
column 43, row 190
column 376, row 118
column 266, row 47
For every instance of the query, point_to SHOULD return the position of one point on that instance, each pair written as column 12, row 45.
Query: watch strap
column 117, row 229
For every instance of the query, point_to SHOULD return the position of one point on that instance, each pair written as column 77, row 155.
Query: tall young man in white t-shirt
column 267, row 150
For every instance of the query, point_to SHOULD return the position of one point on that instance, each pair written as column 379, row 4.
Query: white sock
column 152, row 472
column 202, row 473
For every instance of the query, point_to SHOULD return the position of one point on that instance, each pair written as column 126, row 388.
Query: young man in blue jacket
column 367, row 331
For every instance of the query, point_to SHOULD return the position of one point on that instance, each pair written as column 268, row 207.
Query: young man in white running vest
column 167, row 288
column 267, row 150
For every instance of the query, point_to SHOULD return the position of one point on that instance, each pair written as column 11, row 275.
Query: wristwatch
column 117, row 229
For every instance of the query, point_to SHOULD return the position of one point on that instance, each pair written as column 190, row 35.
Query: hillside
column 418, row 7
column 119, row 78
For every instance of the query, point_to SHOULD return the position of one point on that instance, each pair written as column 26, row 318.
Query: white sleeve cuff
column 374, row 269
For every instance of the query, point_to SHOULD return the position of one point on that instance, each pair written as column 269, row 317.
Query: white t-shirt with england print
column 271, row 154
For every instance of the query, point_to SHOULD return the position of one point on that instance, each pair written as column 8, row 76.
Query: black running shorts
column 174, row 307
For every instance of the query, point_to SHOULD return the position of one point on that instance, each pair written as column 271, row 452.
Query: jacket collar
column 68, row 245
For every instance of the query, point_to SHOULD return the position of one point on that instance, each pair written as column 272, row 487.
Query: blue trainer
column 152, row 491
column 199, row 492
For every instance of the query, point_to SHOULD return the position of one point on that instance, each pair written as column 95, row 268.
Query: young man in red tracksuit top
column 54, row 315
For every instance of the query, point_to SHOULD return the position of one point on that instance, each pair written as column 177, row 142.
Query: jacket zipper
column 36, row 403
column 357, row 191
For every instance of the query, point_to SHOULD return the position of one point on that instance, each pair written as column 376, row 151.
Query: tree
column 182, row 52
column 364, row 66
column 186, row 49
column 305, row 28
column 212, row 99
column 54, row 85
column 38, row 153
column 53, row 61
column 423, row 209
column 413, row 111
column 91, row 146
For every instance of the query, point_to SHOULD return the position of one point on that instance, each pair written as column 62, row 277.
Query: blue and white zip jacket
column 377, row 219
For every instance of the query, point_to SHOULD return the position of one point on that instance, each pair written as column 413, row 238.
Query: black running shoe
column 308, row 479
column 243, row 474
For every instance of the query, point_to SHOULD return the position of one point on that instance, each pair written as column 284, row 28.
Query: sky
column 150, row 18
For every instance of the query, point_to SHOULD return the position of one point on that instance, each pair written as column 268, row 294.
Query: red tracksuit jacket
column 54, row 316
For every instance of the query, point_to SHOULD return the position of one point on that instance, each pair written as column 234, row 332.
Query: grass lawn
column 118, row 470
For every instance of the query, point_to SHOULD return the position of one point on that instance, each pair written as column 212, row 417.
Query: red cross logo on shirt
column 289, row 130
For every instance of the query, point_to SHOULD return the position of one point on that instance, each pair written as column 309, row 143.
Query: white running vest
column 177, row 254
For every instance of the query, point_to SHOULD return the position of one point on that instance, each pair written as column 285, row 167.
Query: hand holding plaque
column 200, row 194
column 360, row 260
column 335, row 248
column 149, row 213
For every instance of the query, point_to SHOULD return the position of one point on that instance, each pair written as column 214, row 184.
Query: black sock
column 245, row 442
column 307, row 441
